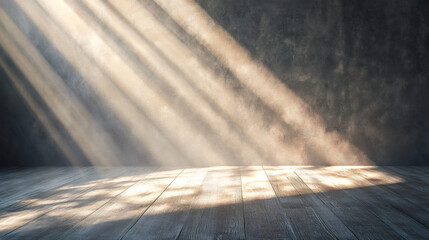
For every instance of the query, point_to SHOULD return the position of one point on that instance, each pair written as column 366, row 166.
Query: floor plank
column 263, row 215
column 370, row 200
column 165, row 218
column 416, row 179
column 15, row 173
column 21, row 179
column 400, row 201
column 8, row 170
column 31, row 208
column 253, row 202
column 59, row 220
column 218, row 212
column 416, row 192
column 360, row 220
column 310, row 217
column 35, row 184
column 114, row 219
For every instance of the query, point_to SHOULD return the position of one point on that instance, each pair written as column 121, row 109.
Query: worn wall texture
column 361, row 66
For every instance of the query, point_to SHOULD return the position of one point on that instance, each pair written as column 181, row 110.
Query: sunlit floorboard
column 257, row 202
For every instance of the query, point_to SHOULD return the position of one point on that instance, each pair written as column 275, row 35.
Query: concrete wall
column 362, row 66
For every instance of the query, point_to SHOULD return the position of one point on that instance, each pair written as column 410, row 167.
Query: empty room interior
column 214, row 119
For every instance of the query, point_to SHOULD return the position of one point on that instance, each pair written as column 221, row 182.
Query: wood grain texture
column 25, row 210
column 310, row 217
column 373, row 200
column 47, row 178
column 165, row 218
column 270, row 202
column 263, row 215
column 53, row 223
column 403, row 201
column 218, row 212
column 358, row 218
column 115, row 218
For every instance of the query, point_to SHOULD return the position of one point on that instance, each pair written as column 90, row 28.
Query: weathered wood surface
column 270, row 202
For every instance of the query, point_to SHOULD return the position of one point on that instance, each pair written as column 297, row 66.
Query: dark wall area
column 23, row 139
column 361, row 65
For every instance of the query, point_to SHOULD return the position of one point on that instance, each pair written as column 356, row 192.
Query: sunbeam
column 199, row 119
column 48, row 84
column 129, row 113
column 173, row 91
column 263, row 83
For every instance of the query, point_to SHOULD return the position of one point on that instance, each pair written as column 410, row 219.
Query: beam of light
column 71, row 113
column 43, row 118
column 192, row 98
column 126, row 111
column 206, row 81
column 262, row 82
column 209, row 137
column 125, row 78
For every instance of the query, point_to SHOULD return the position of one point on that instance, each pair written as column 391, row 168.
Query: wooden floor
column 215, row 203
